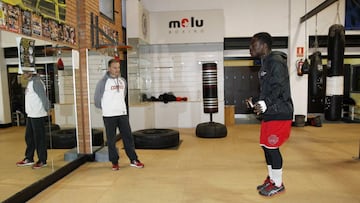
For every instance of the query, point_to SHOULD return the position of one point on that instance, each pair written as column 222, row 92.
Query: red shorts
column 274, row 133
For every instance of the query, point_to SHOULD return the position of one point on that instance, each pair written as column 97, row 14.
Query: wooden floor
column 319, row 166
column 12, row 150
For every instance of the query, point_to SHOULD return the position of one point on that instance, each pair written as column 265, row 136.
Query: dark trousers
column 121, row 122
column 35, row 139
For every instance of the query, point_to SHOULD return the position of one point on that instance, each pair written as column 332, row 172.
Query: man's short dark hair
column 264, row 37
column 112, row 61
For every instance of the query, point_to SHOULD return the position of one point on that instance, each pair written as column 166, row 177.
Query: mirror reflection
column 97, row 68
column 54, row 66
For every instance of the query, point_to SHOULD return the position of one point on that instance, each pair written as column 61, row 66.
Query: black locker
column 240, row 83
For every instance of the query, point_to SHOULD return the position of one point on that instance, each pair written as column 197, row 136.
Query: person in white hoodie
column 36, row 108
column 110, row 96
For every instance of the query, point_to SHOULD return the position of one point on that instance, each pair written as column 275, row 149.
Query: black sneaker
column 266, row 183
column 272, row 190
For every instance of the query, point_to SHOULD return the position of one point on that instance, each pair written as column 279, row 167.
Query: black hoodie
column 275, row 87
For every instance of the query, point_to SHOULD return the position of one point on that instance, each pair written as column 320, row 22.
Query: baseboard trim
column 6, row 125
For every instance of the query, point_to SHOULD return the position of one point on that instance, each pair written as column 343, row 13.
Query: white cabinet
column 141, row 116
column 171, row 115
column 177, row 114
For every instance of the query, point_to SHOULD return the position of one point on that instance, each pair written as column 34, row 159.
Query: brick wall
column 79, row 12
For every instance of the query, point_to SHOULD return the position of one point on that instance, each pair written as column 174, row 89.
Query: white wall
column 206, row 26
column 279, row 18
column 242, row 17
column 177, row 68
column 64, row 108
column 8, row 39
column 246, row 17
column 137, row 18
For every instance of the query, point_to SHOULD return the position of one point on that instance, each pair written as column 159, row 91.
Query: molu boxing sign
column 196, row 26
column 186, row 23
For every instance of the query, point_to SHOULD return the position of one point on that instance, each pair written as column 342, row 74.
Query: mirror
column 59, row 86
column 97, row 68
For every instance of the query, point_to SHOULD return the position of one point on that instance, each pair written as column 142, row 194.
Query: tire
column 156, row 138
column 66, row 138
column 49, row 131
column 53, row 127
column 97, row 137
column 211, row 130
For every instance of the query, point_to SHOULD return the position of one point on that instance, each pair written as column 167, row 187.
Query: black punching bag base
column 211, row 130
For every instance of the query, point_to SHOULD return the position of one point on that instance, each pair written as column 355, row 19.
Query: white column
column 5, row 110
column 297, row 38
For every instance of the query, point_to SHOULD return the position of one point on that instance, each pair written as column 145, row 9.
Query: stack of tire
column 57, row 138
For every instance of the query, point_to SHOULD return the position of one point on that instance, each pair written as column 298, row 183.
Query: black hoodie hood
column 279, row 56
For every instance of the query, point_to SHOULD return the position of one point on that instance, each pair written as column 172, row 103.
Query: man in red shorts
column 276, row 107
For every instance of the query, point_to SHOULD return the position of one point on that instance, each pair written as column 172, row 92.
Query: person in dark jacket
column 36, row 108
column 109, row 96
column 275, row 105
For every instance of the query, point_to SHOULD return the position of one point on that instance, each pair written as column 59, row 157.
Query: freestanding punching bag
column 210, row 96
column 335, row 75
column 210, row 101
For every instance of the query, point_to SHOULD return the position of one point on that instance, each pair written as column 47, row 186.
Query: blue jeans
column 121, row 122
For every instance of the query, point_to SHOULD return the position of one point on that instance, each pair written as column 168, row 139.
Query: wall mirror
column 97, row 68
column 97, row 63
column 54, row 65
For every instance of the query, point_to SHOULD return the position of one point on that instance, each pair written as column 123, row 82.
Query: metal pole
column 317, row 9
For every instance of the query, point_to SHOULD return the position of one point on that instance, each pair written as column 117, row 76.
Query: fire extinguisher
column 116, row 54
column 299, row 64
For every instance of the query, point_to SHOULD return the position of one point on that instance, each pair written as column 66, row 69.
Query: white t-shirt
column 113, row 100
column 33, row 104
